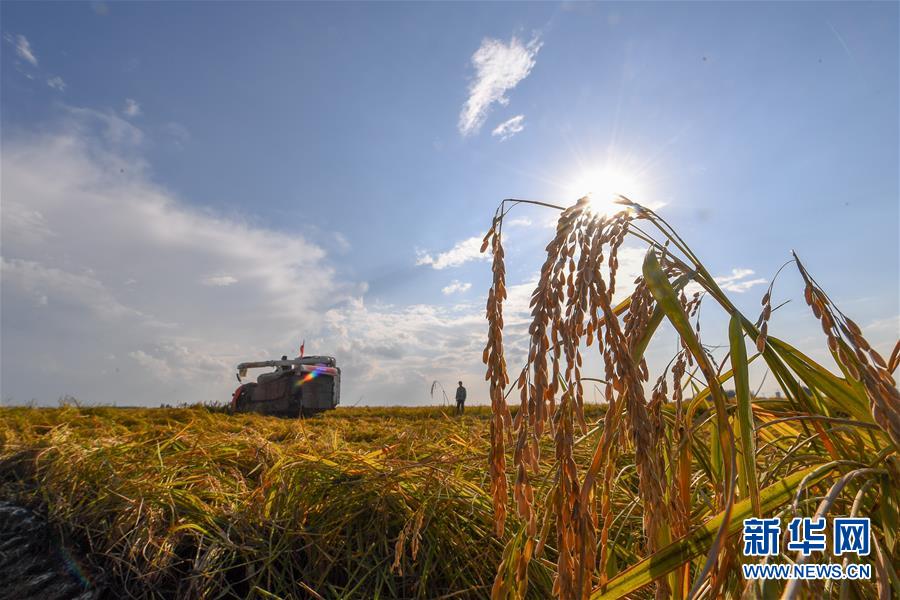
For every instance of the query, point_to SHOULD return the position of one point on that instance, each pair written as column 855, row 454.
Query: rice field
column 540, row 495
column 193, row 503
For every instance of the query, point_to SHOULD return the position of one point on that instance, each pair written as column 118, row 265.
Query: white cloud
column 456, row 287
column 341, row 241
column 101, row 294
column 737, row 281
column 174, row 362
column 550, row 222
column 399, row 350
column 23, row 48
column 82, row 289
column 519, row 222
column 116, row 131
column 25, row 223
column 499, row 67
column 132, row 108
column 463, row 252
column 119, row 259
column 157, row 366
column 57, row 83
column 178, row 132
column 509, row 128
column 889, row 325
column 219, row 281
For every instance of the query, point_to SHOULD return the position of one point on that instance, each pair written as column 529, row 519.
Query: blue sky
column 188, row 185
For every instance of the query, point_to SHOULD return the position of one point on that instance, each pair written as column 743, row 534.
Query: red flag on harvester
column 303, row 343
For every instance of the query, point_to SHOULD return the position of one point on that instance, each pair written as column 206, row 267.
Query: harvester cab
column 298, row 387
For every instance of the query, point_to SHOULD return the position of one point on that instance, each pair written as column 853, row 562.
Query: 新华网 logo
column 849, row 536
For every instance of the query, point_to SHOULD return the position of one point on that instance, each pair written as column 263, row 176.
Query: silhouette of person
column 460, row 399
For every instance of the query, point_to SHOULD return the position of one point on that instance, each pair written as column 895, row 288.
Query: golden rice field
column 541, row 495
column 190, row 503
column 357, row 503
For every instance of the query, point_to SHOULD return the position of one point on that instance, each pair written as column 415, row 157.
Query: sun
column 604, row 185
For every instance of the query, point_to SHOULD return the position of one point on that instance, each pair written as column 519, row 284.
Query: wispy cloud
column 132, row 108
column 28, row 224
column 219, row 280
column 840, row 40
column 518, row 222
column 341, row 241
column 23, row 48
column 456, row 287
column 57, row 83
column 100, row 8
column 509, row 128
column 113, row 128
column 889, row 324
column 737, row 282
column 178, row 132
column 499, row 67
column 461, row 253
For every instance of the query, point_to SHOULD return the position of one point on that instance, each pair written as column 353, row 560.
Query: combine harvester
column 298, row 387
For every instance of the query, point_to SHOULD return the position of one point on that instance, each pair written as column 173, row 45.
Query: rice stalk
column 689, row 462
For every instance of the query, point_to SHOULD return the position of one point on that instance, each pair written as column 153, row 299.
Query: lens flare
column 604, row 186
column 310, row 376
column 74, row 567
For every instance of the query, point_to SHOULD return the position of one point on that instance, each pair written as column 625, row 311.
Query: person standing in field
column 460, row 399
